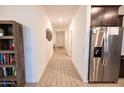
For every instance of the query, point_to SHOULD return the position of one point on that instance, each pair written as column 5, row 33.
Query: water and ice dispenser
column 97, row 51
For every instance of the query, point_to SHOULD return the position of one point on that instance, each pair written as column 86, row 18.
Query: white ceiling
column 66, row 12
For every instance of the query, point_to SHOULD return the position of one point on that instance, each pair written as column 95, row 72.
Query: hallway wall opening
column 60, row 39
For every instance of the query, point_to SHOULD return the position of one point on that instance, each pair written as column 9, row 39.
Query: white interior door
column 70, row 43
column 60, row 39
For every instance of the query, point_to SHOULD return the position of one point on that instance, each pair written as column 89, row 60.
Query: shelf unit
column 12, row 69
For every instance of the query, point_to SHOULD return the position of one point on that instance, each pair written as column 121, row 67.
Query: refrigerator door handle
column 103, row 54
column 106, row 49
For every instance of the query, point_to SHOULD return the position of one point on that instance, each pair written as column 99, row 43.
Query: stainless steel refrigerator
column 104, row 56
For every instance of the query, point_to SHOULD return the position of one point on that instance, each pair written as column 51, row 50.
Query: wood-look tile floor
column 60, row 72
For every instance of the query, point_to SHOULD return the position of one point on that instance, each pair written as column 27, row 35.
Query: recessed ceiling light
column 60, row 19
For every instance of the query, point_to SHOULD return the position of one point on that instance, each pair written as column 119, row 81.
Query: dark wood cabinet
column 122, row 67
column 111, row 16
column 97, row 16
column 120, row 20
column 104, row 16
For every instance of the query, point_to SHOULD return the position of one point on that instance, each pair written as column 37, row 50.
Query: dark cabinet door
column 104, row 16
column 97, row 16
column 111, row 16
column 120, row 20
column 122, row 67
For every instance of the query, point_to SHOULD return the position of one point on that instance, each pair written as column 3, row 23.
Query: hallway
column 60, row 72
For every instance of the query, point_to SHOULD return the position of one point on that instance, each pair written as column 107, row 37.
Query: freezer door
column 112, row 51
column 96, row 55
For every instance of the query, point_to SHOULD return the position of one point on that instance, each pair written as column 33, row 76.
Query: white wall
column 68, row 41
column 121, row 12
column 60, row 39
column 37, row 49
column 80, row 27
column 42, row 48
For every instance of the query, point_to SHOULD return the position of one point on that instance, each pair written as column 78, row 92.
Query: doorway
column 60, row 39
column 70, row 43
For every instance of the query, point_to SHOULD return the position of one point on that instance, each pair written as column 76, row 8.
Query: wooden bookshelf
column 12, row 67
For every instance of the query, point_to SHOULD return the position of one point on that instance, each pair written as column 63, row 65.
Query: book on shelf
column 14, row 70
column 1, row 58
column 4, row 58
column 7, row 44
column 4, row 72
column 6, row 83
column 7, row 58
column 8, row 71
column 11, row 59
